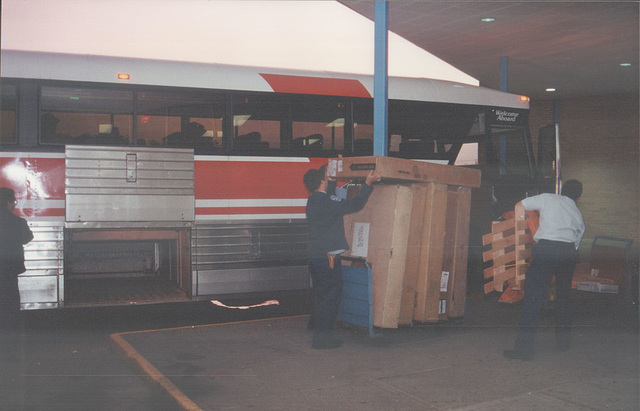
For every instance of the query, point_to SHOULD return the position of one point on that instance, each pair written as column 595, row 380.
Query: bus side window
column 193, row 136
column 256, row 123
column 309, row 143
column 250, row 142
column 418, row 147
column 85, row 116
column 8, row 100
column 180, row 119
column 317, row 125
column 363, row 146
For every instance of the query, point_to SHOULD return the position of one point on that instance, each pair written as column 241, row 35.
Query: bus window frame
column 83, row 85
column 355, row 111
column 16, row 106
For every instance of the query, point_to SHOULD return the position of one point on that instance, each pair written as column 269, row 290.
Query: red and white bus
column 149, row 180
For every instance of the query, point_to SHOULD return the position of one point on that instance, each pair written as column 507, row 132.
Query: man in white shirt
column 555, row 254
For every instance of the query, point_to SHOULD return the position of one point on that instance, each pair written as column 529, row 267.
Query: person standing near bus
column 326, row 242
column 14, row 234
column 555, row 253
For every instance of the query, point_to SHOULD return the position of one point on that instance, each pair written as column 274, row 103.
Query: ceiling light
column 487, row 19
column 550, row 89
column 625, row 64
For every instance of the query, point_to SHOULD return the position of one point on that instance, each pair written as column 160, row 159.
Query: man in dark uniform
column 14, row 233
column 326, row 242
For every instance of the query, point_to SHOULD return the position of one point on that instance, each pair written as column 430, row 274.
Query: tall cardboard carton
column 453, row 287
column 431, row 255
column 410, row 282
column 379, row 233
column 442, row 271
column 414, row 234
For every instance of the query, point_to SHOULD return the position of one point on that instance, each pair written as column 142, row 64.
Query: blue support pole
column 381, row 80
column 504, row 73
column 504, row 85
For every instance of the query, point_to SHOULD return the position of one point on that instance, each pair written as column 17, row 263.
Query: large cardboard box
column 414, row 249
column 415, row 238
column 414, row 235
column 380, row 234
column 427, row 305
column 453, row 274
column 400, row 169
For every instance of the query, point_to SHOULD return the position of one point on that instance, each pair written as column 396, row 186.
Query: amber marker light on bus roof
column 124, row 76
column 524, row 98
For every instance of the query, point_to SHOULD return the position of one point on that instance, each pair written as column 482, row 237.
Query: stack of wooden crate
column 414, row 234
column 511, row 241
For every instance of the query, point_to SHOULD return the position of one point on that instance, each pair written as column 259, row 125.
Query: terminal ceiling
column 575, row 47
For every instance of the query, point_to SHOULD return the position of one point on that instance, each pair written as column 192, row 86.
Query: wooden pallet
column 510, row 253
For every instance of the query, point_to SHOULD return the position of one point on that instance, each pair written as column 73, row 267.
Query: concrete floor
column 269, row 364
column 69, row 360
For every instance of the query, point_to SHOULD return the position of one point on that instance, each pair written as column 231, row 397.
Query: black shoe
column 327, row 345
column 518, row 355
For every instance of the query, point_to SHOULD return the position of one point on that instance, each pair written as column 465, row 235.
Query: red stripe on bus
column 39, row 178
column 235, row 180
column 248, row 210
column 49, row 212
column 316, row 85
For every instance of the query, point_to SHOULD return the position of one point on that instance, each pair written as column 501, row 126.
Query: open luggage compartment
column 126, row 266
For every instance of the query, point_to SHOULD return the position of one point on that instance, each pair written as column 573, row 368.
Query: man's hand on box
column 372, row 177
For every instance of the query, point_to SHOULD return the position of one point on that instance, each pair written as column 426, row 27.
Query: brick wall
column 600, row 147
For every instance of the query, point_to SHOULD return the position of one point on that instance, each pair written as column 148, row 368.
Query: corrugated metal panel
column 219, row 246
column 241, row 258
column 40, row 285
column 125, row 185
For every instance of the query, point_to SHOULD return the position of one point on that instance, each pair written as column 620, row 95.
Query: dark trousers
column 326, row 292
column 549, row 258
column 9, row 300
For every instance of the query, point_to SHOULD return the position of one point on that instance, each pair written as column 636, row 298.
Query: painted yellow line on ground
column 211, row 325
column 131, row 354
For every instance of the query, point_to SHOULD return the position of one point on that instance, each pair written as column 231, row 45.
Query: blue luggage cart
column 357, row 295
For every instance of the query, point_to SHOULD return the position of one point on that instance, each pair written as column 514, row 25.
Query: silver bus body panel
column 41, row 286
column 246, row 257
column 248, row 280
column 124, row 185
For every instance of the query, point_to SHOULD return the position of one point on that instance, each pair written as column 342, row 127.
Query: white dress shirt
column 560, row 218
